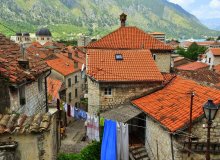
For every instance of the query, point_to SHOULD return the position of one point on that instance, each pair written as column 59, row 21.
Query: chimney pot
column 123, row 18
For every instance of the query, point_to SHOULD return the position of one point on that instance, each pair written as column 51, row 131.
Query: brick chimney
column 123, row 18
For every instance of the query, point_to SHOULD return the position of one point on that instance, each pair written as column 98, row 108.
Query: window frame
column 22, row 97
column 70, row 97
column 154, row 56
column 76, row 79
column 69, row 81
column 76, row 92
column 108, row 91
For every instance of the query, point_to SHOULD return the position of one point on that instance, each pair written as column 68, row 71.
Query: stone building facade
column 121, row 93
column 34, row 95
column 163, row 61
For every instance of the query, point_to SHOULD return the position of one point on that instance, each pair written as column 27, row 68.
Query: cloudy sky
column 202, row 9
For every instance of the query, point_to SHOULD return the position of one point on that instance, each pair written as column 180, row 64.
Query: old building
column 25, row 137
column 43, row 36
column 21, row 38
column 167, row 121
column 83, row 40
column 24, row 77
column 159, row 35
column 124, row 64
column 213, row 57
column 68, row 71
column 193, row 66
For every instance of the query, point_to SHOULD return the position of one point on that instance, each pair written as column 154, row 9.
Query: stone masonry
column 163, row 61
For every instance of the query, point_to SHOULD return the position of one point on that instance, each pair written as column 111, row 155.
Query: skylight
column 118, row 56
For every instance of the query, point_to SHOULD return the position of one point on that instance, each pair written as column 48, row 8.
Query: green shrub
column 64, row 156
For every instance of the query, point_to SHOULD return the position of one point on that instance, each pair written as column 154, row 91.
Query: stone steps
column 138, row 153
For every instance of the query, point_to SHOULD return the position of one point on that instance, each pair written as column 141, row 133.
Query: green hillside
column 68, row 18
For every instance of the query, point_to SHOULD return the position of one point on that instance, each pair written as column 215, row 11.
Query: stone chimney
column 123, row 18
column 70, row 55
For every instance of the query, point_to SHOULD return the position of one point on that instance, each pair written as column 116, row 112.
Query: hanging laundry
column 109, row 141
column 102, row 120
column 76, row 113
column 96, row 129
column 82, row 114
column 72, row 111
column 65, row 107
column 89, row 126
column 68, row 110
column 122, row 141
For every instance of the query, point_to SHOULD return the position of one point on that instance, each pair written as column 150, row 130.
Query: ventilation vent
column 118, row 56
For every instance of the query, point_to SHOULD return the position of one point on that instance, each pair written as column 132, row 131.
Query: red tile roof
column 170, row 106
column 129, row 38
column 53, row 88
column 192, row 66
column 217, row 68
column 215, row 51
column 137, row 65
column 9, row 67
column 176, row 59
column 63, row 65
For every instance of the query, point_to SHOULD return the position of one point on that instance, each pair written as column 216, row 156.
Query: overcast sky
column 202, row 9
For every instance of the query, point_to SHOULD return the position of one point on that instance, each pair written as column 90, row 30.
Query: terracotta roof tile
column 193, row 66
column 129, row 38
column 137, row 65
column 170, row 106
column 22, row 124
column 10, row 68
column 215, row 51
column 63, row 65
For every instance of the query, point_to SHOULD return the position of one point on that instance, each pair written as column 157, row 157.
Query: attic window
column 118, row 57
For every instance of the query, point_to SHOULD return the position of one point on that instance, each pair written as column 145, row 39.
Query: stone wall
column 121, row 93
column 216, row 60
column 157, row 141
column 93, row 96
column 163, row 61
column 35, row 99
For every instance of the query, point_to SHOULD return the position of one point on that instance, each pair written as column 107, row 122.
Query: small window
column 108, row 91
column 42, row 38
column 76, row 93
column 40, row 84
column 70, row 97
column 118, row 57
column 154, row 56
column 76, row 104
column 48, row 38
column 209, row 60
column 69, row 82
column 76, row 79
column 22, row 95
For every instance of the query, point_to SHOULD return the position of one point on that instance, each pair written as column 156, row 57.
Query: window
column 76, row 80
column 108, row 91
column 118, row 57
column 76, row 93
column 209, row 60
column 70, row 97
column 76, row 104
column 40, row 84
column 42, row 38
column 22, row 95
column 48, row 38
column 69, row 82
column 154, row 56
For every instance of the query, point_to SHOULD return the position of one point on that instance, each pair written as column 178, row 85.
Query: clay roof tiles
column 137, row 65
column 129, row 38
column 215, row 51
column 54, row 87
column 23, row 124
column 10, row 54
column 193, row 66
column 170, row 106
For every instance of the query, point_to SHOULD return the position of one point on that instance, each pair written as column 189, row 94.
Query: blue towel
column 109, row 141
column 76, row 113
column 82, row 114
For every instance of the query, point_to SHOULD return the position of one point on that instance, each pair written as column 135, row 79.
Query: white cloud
column 204, row 12
column 215, row 4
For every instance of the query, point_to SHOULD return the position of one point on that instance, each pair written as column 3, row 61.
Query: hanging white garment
column 96, row 129
column 65, row 107
column 122, row 141
column 72, row 111
column 89, row 126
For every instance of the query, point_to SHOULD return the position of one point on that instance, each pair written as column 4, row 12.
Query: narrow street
column 73, row 143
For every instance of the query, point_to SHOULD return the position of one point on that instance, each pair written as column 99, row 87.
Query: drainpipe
column 47, row 109
column 171, row 142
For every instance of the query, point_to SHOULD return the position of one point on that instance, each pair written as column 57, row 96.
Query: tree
column 218, row 38
column 192, row 52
